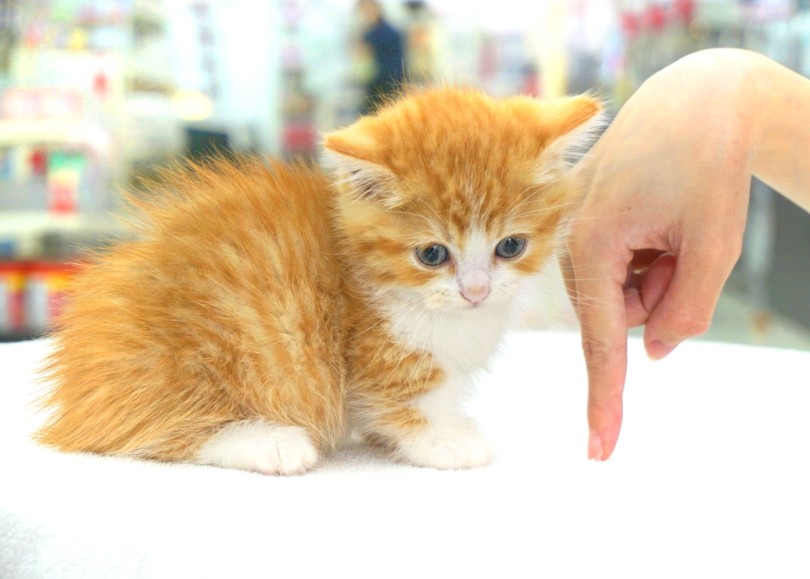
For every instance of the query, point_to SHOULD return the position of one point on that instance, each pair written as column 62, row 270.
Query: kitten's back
column 225, row 308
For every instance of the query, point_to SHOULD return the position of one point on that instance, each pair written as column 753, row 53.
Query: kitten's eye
column 432, row 255
column 510, row 247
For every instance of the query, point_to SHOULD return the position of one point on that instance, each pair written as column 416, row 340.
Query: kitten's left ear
column 355, row 155
column 567, row 127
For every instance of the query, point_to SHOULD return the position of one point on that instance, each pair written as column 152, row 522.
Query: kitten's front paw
column 447, row 447
column 260, row 447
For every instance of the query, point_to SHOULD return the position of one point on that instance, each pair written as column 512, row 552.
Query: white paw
column 446, row 446
column 260, row 447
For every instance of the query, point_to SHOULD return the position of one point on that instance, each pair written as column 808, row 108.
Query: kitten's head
column 451, row 198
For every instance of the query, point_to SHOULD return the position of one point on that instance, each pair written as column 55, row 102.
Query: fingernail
column 595, row 447
column 658, row 350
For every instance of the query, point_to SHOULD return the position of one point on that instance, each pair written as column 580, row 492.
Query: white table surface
column 710, row 479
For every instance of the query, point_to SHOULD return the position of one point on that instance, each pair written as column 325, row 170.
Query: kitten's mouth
column 473, row 303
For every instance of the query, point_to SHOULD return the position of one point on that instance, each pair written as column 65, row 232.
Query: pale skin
column 661, row 224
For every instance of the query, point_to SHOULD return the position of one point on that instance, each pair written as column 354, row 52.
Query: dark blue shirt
column 386, row 45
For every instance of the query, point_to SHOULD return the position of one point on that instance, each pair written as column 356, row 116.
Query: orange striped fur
column 262, row 312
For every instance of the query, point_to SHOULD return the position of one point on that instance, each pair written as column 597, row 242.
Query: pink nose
column 475, row 287
column 475, row 294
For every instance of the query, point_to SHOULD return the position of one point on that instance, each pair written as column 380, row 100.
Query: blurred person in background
column 666, row 200
column 384, row 46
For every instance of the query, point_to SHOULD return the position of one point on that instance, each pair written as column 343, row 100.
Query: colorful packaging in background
column 32, row 296
column 45, row 291
column 65, row 171
column 12, row 297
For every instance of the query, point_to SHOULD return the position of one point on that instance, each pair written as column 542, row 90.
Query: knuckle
column 720, row 255
column 734, row 250
column 600, row 353
column 725, row 254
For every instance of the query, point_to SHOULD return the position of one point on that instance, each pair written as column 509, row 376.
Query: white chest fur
column 462, row 341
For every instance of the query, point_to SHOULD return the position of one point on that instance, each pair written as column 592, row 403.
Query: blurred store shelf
column 35, row 234
column 735, row 321
column 44, row 132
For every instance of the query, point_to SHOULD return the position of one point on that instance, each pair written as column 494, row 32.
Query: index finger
column 599, row 299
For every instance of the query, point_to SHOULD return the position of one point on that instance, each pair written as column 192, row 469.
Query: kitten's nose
column 475, row 286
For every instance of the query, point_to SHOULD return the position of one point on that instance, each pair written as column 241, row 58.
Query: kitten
column 262, row 312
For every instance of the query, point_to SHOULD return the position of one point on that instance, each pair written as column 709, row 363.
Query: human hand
column 661, row 222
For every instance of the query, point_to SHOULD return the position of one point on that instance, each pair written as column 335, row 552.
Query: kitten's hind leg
column 259, row 446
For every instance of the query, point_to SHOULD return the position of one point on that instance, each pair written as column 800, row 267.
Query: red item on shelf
column 39, row 162
column 62, row 198
column 12, row 297
column 684, row 10
column 299, row 137
column 101, row 84
column 630, row 23
column 655, row 17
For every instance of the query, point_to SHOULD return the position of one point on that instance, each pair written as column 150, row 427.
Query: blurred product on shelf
column 31, row 296
column 45, row 289
column 65, row 169
column 12, row 292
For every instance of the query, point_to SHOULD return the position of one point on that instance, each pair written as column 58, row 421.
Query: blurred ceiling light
column 192, row 105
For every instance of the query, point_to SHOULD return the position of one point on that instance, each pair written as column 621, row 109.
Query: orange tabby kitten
column 261, row 313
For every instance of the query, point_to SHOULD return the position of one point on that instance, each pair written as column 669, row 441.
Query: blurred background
column 97, row 94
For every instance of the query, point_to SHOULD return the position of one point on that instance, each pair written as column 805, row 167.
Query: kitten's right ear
column 568, row 126
column 355, row 156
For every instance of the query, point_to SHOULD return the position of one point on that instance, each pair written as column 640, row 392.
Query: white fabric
column 710, row 480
